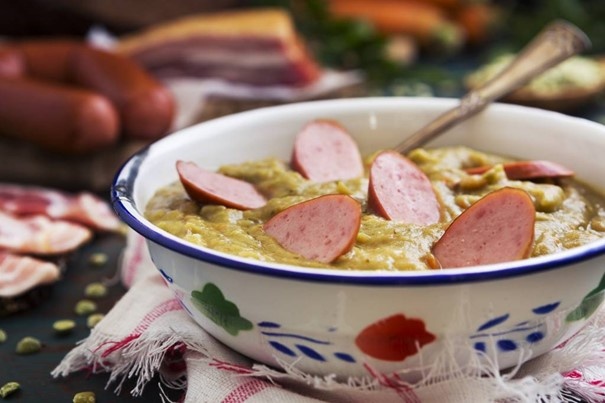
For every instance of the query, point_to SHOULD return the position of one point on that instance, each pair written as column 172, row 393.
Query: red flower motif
column 394, row 338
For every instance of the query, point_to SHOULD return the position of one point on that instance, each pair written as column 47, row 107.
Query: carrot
column 479, row 21
column 448, row 4
column 425, row 22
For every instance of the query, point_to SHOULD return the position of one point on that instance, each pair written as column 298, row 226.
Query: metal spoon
column 556, row 42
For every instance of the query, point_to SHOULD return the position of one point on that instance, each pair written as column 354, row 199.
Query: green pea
column 94, row 319
column 84, row 397
column 9, row 388
column 98, row 259
column 64, row 326
column 28, row 345
column 3, row 336
column 95, row 290
column 85, row 307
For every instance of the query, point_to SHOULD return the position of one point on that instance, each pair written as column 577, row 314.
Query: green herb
column 3, row 336
column 94, row 319
column 526, row 19
column 64, row 326
column 84, row 397
column 28, row 345
column 95, row 290
column 85, row 307
column 8, row 389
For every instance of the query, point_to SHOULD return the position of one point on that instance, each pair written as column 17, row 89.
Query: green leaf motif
column 212, row 303
column 589, row 304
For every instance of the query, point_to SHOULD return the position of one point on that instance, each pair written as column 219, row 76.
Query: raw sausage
column 211, row 187
column 57, row 118
column 497, row 228
column 524, row 170
column 145, row 106
column 12, row 64
column 324, row 151
column 48, row 60
column 320, row 229
column 398, row 190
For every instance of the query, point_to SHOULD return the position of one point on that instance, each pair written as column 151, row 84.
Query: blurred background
column 440, row 43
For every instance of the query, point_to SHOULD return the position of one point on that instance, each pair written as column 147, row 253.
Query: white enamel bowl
column 354, row 323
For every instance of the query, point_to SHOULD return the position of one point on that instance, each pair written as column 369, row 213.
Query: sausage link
column 12, row 64
column 146, row 107
column 57, row 118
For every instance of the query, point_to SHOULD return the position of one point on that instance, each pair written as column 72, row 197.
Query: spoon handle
column 557, row 42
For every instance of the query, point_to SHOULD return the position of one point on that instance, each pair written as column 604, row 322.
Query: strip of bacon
column 19, row 274
column 84, row 208
column 38, row 234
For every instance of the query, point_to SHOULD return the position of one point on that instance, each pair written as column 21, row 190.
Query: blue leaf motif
column 493, row 322
column 544, row 309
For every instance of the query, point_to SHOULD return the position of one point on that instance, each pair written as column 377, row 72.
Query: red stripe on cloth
column 245, row 391
column 403, row 391
column 227, row 366
column 155, row 313
column 148, row 319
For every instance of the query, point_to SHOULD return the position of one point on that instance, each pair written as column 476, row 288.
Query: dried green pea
column 598, row 223
column 28, row 345
column 9, row 388
column 84, row 397
column 95, row 290
column 64, row 326
column 3, row 336
column 85, row 307
column 98, row 259
column 94, row 319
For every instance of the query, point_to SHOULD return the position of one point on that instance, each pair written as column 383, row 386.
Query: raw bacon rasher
column 84, row 208
column 19, row 274
column 39, row 235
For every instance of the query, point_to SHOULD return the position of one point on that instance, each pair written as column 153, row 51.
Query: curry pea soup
column 568, row 214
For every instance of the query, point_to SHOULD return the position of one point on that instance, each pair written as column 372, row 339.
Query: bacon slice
column 258, row 47
column 38, row 234
column 19, row 274
column 84, row 208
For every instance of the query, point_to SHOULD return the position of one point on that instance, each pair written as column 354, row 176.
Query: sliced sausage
column 497, row 228
column 399, row 191
column 12, row 64
column 212, row 187
column 526, row 170
column 57, row 118
column 146, row 106
column 320, row 229
column 324, row 151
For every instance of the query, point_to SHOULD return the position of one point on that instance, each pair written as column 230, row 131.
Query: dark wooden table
column 33, row 371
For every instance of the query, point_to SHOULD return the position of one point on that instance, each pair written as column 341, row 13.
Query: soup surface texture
column 568, row 214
